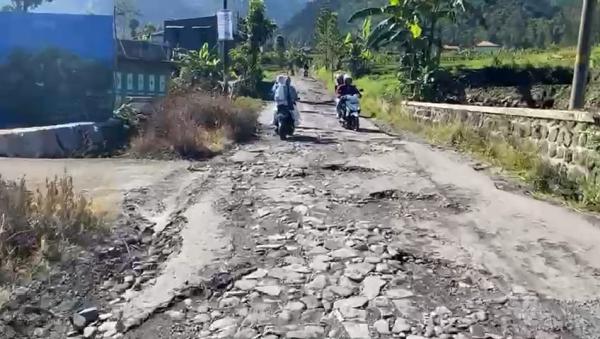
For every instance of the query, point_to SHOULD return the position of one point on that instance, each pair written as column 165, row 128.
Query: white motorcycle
column 351, row 111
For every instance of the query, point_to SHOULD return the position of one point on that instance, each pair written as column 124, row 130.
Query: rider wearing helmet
column 339, row 81
column 346, row 89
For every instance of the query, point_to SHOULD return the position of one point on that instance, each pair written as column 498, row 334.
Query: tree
column 358, row 55
column 328, row 38
column 147, row 31
column 415, row 27
column 280, row 49
column 255, row 30
column 297, row 56
column 415, row 24
column 125, row 12
column 23, row 5
column 198, row 67
column 259, row 28
column 134, row 24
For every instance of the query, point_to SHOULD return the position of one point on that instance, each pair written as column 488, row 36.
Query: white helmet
column 347, row 76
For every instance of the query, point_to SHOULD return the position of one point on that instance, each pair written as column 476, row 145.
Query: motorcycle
column 285, row 122
column 351, row 112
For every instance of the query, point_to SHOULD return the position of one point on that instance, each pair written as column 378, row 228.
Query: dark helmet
column 347, row 79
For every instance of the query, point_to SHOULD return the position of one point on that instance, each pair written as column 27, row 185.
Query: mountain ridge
column 156, row 11
column 511, row 23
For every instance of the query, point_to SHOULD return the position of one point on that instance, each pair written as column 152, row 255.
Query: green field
column 553, row 57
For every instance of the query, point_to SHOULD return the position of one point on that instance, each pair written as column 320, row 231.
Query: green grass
column 553, row 57
column 375, row 88
column 270, row 74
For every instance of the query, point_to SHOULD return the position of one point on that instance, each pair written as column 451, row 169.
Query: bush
column 194, row 125
column 38, row 224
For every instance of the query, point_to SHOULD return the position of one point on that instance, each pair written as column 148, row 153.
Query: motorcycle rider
column 342, row 91
column 278, row 96
column 339, row 81
column 286, row 97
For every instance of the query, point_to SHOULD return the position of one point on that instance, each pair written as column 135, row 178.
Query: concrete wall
column 566, row 138
column 62, row 141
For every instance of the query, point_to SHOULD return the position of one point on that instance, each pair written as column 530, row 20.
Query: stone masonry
column 567, row 139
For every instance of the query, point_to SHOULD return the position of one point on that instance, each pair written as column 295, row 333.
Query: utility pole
column 225, row 59
column 582, row 59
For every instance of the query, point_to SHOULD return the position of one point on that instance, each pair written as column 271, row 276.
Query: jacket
column 347, row 90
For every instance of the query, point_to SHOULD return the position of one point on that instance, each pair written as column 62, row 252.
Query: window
column 151, row 83
column 163, row 83
column 140, row 84
column 130, row 81
column 118, row 80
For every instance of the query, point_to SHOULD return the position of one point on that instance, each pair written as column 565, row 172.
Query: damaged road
column 337, row 234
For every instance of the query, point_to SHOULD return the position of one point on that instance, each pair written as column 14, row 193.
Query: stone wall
column 568, row 139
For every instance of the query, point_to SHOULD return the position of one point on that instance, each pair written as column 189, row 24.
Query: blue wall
column 55, row 68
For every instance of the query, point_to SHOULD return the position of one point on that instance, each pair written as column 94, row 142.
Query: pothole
column 394, row 194
column 347, row 168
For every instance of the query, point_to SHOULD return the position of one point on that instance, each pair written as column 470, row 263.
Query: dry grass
column 194, row 125
column 36, row 226
column 517, row 157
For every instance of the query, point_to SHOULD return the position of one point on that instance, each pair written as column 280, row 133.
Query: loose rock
column 357, row 272
column 175, row 315
column 372, row 287
column 344, row 253
column 357, row 330
column 399, row 293
column 223, row 324
column 382, row 326
column 245, row 284
column 401, row 325
column 201, row 318
column 309, row 332
column 90, row 332
column 272, row 291
column 319, row 283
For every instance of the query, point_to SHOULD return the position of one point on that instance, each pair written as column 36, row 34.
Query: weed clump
column 36, row 225
column 194, row 125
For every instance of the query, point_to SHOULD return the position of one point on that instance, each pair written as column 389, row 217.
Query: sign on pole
column 225, row 25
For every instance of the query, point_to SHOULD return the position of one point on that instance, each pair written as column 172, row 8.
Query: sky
column 74, row 6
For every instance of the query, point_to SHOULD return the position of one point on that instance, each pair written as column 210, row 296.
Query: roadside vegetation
column 517, row 158
column 406, row 62
column 37, row 226
column 195, row 125
column 199, row 118
column 548, row 57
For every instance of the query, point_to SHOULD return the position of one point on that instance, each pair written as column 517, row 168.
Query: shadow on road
column 311, row 139
column 371, row 130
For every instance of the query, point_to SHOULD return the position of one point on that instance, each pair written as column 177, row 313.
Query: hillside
column 300, row 28
column 512, row 23
column 157, row 11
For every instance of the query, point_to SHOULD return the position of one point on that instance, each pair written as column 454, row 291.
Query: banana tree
column 412, row 24
column 201, row 64
column 358, row 54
